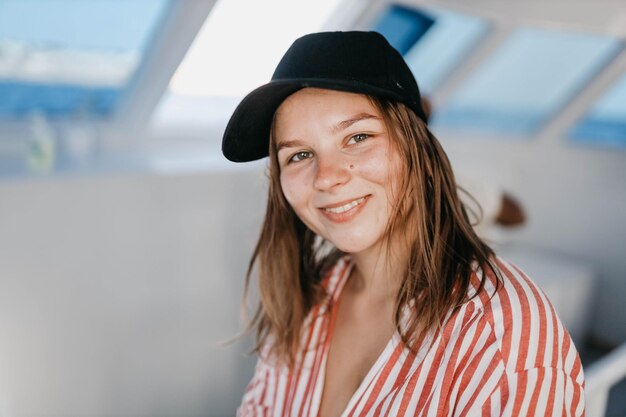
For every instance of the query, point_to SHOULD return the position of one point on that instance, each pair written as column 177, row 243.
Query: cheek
column 292, row 190
column 298, row 197
column 384, row 169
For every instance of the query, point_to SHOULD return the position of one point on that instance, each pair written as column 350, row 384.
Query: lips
column 345, row 210
column 345, row 207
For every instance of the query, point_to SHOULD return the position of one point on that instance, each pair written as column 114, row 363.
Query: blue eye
column 360, row 137
column 299, row 156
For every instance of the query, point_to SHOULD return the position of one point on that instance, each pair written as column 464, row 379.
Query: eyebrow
column 354, row 119
column 289, row 144
column 343, row 125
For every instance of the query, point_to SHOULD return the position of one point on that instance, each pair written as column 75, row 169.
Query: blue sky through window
column 403, row 26
column 605, row 124
column 444, row 46
column 71, row 58
column 433, row 41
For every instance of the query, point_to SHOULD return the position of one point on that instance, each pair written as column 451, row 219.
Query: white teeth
column 346, row 207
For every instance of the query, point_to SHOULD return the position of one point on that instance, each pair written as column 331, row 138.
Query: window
column 67, row 58
column 433, row 41
column 605, row 124
column 403, row 26
column 526, row 81
column 204, row 92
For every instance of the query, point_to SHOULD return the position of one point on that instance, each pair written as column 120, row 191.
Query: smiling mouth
column 345, row 207
column 345, row 212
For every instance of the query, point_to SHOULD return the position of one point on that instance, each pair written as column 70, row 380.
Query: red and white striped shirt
column 506, row 355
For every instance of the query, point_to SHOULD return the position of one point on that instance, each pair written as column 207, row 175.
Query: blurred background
column 125, row 235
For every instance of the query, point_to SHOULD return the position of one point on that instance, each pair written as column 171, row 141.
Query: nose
column 331, row 172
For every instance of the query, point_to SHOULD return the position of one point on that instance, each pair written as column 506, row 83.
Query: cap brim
column 246, row 137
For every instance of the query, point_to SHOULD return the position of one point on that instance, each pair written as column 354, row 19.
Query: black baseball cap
column 356, row 62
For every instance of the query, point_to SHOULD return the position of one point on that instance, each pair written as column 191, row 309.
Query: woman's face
column 338, row 168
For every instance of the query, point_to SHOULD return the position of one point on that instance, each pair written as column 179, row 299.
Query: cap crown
column 365, row 58
column 357, row 62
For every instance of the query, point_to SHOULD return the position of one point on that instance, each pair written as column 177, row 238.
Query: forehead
column 321, row 105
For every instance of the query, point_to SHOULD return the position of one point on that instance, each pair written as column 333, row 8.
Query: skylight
column 403, row 26
column 241, row 42
column 222, row 65
column 71, row 58
column 433, row 41
column 605, row 124
column 526, row 81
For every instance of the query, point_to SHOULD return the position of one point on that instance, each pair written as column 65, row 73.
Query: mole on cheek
column 351, row 166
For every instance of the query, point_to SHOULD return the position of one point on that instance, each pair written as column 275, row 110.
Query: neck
column 379, row 272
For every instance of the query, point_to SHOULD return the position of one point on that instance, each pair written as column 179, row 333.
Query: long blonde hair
column 444, row 250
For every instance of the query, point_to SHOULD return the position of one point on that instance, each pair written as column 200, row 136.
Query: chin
column 355, row 246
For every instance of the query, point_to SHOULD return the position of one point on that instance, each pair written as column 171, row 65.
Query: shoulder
column 523, row 322
column 512, row 342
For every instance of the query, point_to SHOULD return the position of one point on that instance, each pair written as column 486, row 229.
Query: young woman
column 376, row 296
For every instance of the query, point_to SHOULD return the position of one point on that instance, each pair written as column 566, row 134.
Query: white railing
column 600, row 376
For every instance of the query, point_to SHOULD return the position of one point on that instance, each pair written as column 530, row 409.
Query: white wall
column 116, row 291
